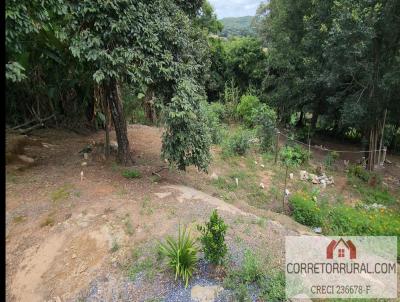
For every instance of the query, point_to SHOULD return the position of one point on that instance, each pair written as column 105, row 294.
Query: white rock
column 287, row 192
column 317, row 230
column 261, row 185
column 291, row 176
column 26, row 159
column 84, row 163
column 262, row 166
column 303, row 175
column 237, row 182
column 214, row 176
column 255, row 162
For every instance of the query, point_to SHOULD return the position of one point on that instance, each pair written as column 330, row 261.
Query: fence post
column 276, row 145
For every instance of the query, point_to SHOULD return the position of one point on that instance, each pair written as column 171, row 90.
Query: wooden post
column 384, row 155
column 284, row 191
column 381, row 140
column 276, row 145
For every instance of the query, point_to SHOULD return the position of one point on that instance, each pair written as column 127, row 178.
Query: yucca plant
column 182, row 254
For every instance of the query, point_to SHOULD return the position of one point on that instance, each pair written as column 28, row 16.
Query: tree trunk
column 148, row 105
column 117, row 114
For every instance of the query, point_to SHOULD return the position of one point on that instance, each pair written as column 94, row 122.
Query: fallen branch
column 23, row 125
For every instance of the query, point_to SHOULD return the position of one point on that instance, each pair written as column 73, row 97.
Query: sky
column 235, row 8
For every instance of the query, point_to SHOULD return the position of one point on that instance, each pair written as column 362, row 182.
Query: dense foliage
column 237, row 26
column 213, row 238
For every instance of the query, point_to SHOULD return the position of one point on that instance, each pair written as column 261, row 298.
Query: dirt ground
column 72, row 224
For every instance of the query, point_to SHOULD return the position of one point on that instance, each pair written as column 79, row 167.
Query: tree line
column 331, row 66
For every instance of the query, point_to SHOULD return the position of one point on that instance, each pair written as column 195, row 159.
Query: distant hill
column 237, row 26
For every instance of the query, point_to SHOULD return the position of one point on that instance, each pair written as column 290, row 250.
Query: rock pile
column 315, row 179
column 374, row 206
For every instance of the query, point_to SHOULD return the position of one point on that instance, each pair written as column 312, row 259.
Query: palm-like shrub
column 181, row 254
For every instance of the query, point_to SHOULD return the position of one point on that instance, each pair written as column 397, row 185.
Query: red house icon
column 342, row 248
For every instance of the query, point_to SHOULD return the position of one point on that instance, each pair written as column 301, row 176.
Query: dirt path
column 69, row 238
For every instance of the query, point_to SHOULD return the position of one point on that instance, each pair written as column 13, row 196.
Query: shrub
column 251, row 269
column 305, row 210
column 275, row 288
column 182, row 254
column 218, row 110
column 345, row 220
column 359, row 172
column 245, row 108
column 213, row 238
column 213, row 122
column 330, row 158
column 294, row 155
column 265, row 119
column 131, row 174
column 238, row 143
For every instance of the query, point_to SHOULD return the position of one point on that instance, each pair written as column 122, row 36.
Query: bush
column 182, row 255
column 366, row 176
column 131, row 174
column 330, row 159
column 275, row 288
column 213, row 238
column 218, row 110
column 238, row 143
column 214, row 121
column 345, row 220
column 265, row 120
column 305, row 210
column 245, row 108
column 294, row 155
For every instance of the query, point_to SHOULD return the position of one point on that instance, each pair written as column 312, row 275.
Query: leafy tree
column 137, row 42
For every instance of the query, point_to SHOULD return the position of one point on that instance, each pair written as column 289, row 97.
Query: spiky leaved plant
column 181, row 253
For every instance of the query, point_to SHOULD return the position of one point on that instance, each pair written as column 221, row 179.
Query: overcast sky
column 235, row 8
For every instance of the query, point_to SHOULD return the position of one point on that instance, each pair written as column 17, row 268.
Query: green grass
column 115, row 247
column 131, row 174
column 146, row 209
column 145, row 264
column 128, row 225
column 19, row 219
column 49, row 221
column 61, row 193
column 269, row 285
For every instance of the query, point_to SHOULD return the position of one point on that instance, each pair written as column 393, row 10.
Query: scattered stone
column 287, row 192
column 214, row 176
column 374, row 206
column 317, row 230
column 261, row 185
column 262, row 166
column 81, row 175
column 291, row 176
column 73, row 256
column 86, row 156
column 84, row 163
column 303, row 175
column 205, row 293
column 237, row 182
column 255, row 162
column 26, row 159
